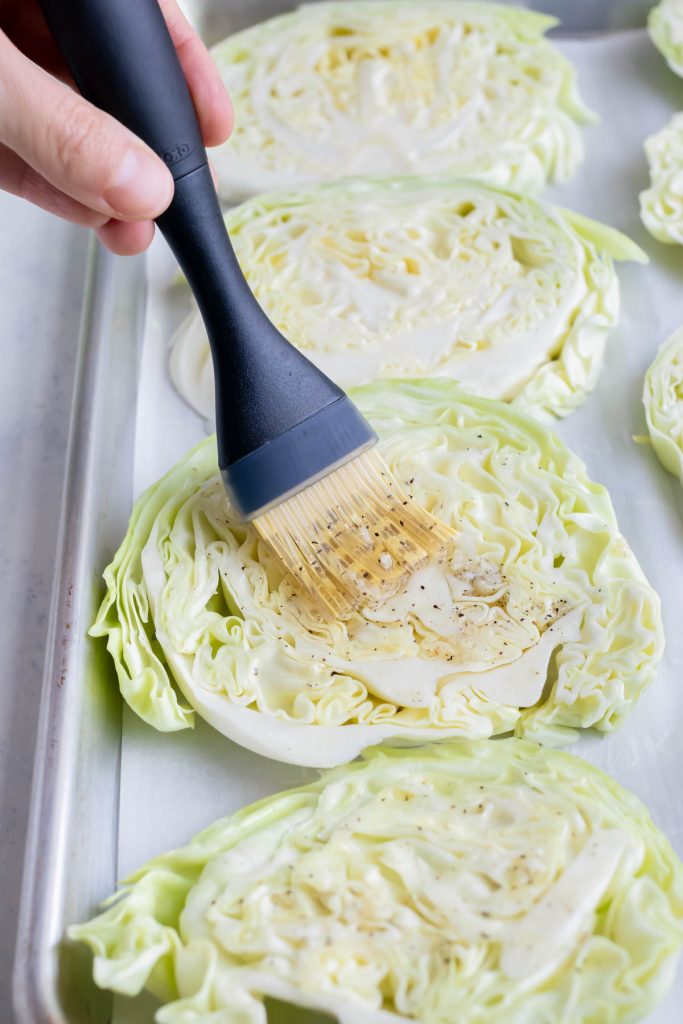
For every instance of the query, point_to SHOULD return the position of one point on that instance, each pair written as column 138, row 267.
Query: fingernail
column 141, row 188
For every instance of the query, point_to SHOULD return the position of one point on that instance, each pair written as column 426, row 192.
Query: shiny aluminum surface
column 70, row 855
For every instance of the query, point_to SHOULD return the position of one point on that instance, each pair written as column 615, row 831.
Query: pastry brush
column 296, row 457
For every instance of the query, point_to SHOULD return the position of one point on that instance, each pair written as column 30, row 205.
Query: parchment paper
column 174, row 785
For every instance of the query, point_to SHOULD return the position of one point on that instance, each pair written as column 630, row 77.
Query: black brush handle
column 123, row 60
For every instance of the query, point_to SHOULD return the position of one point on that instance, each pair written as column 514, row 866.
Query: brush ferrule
column 297, row 458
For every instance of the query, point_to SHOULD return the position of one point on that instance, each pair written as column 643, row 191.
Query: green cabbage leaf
column 488, row 883
column 540, row 620
column 663, row 401
column 396, row 87
column 427, row 276
column 661, row 205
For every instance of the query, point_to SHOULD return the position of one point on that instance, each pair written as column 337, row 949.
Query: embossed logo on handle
column 176, row 153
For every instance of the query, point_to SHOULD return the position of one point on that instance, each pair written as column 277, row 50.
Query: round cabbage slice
column 663, row 401
column 474, row 882
column 388, row 87
column 427, row 277
column 665, row 25
column 539, row 621
column 661, row 205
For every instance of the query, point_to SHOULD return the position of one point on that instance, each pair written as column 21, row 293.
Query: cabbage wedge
column 665, row 25
column 395, row 87
column 540, row 620
column 663, row 401
column 475, row 882
column 661, row 205
column 427, row 277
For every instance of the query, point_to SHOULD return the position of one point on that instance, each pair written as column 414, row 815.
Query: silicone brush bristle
column 352, row 538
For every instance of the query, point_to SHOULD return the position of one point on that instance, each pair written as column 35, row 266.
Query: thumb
column 79, row 149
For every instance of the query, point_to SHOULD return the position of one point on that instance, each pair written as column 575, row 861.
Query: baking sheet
column 174, row 785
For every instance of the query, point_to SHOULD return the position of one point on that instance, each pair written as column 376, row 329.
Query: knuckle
column 78, row 143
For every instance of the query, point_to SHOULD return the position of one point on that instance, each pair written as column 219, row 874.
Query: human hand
column 67, row 156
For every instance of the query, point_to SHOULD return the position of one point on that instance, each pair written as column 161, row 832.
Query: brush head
column 290, row 461
column 352, row 538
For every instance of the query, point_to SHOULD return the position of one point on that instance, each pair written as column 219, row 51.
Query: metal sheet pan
column 71, row 850
column 108, row 791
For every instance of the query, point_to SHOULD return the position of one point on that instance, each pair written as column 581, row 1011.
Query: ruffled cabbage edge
column 555, row 389
column 661, row 205
column 663, row 20
column 663, row 406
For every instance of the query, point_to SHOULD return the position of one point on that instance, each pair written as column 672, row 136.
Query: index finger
column 209, row 95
